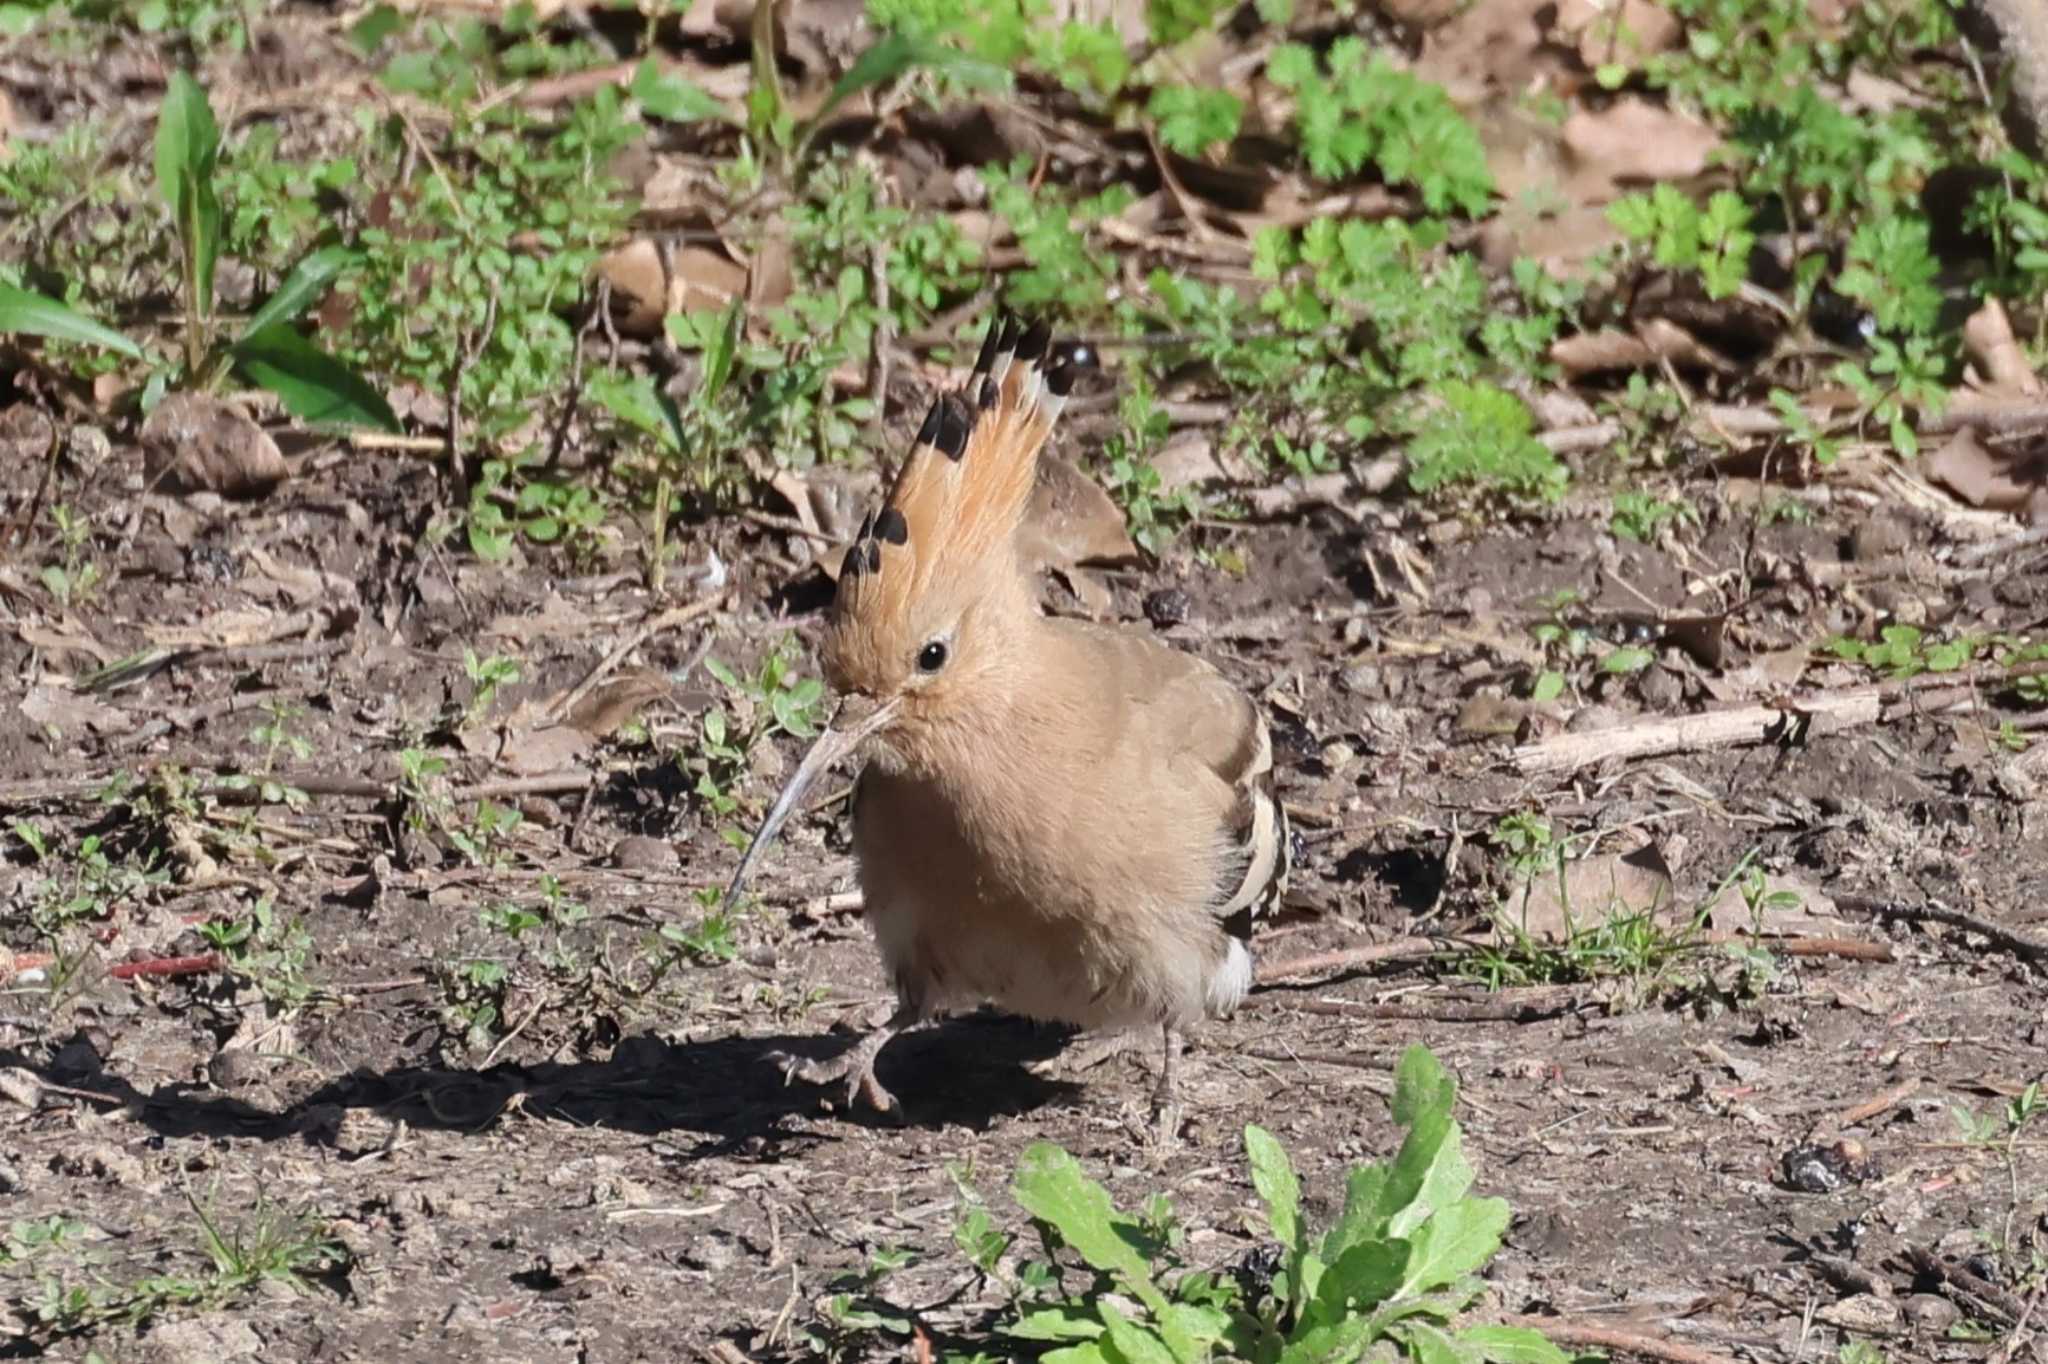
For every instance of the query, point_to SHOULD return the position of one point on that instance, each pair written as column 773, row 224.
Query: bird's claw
column 851, row 1069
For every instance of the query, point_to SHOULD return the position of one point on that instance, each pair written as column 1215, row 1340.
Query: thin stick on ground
column 2023, row 947
column 1509, row 1006
column 1880, row 1103
column 1355, row 958
column 667, row 620
column 1570, row 1332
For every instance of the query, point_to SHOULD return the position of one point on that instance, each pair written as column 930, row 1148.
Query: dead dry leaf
column 57, row 639
column 234, row 629
column 1070, row 521
column 1609, row 34
column 70, row 712
column 534, row 752
column 614, row 702
column 2004, row 370
column 1588, row 891
column 194, row 442
column 1654, row 340
column 645, row 288
column 1994, row 479
column 1633, row 142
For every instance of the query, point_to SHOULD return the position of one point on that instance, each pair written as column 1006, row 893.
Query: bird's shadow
column 726, row 1096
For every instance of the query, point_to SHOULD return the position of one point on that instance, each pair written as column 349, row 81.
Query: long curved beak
column 849, row 728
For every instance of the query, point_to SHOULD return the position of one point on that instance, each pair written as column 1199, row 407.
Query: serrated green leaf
column 1627, row 659
column 1055, row 1323
column 1090, row 1353
column 670, row 97
column 1427, row 1344
column 306, row 284
column 23, row 313
column 1421, row 1085
column 1512, row 1345
column 1428, row 1173
column 1190, row 1330
column 1273, row 1176
column 1339, row 1343
column 1361, row 1218
column 1455, row 1241
column 313, row 385
column 1136, row 1344
column 1360, row 1279
column 1052, row 1187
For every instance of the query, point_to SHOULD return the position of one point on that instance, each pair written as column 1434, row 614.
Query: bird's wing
column 1203, row 729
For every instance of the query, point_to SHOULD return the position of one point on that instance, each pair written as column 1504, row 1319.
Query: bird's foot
column 1084, row 1053
column 854, row 1068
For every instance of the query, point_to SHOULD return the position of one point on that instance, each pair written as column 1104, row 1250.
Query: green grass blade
column 314, row 386
column 28, row 314
column 304, row 286
column 187, row 154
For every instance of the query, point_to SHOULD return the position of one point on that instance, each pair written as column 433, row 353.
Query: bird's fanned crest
column 954, row 507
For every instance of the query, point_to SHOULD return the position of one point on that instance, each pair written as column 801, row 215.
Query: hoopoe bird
column 1071, row 822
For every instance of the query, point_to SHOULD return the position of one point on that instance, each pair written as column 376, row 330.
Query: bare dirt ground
column 511, row 1079
column 622, row 1177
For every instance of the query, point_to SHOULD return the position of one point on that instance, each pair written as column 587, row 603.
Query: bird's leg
column 1085, row 1053
column 855, row 1066
column 1166, row 1095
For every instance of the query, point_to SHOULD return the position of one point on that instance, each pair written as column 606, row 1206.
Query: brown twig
column 1848, row 949
column 1568, row 1331
column 1509, row 1006
column 1354, row 958
column 2025, row 948
column 167, row 966
column 1881, row 1103
column 667, row 620
column 1982, row 1298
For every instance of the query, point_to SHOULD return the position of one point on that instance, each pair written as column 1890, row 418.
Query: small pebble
column 1167, row 607
column 637, row 852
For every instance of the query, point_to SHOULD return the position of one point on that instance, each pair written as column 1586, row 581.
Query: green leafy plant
column 486, row 675
column 268, row 951
column 774, row 699
column 267, row 352
column 77, row 577
column 1482, row 438
column 710, row 941
column 88, row 881
column 1714, row 241
column 1192, row 119
column 1355, row 108
column 1640, row 515
column 1389, row 1278
column 1901, row 651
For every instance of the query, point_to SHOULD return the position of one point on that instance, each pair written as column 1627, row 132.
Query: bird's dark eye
column 931, row 657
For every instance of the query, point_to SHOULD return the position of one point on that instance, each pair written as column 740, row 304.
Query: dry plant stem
column 667, row 620
column 167, row 966
column 1979, row 1297
column 1882, row 1103
column 1798, row 718
column 1659, row 734
column 2018, row 1335
column 1511, row 1006
column 1848, row 949
column 1566, row 1331
column 1354, row 958
column 2025, row 948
